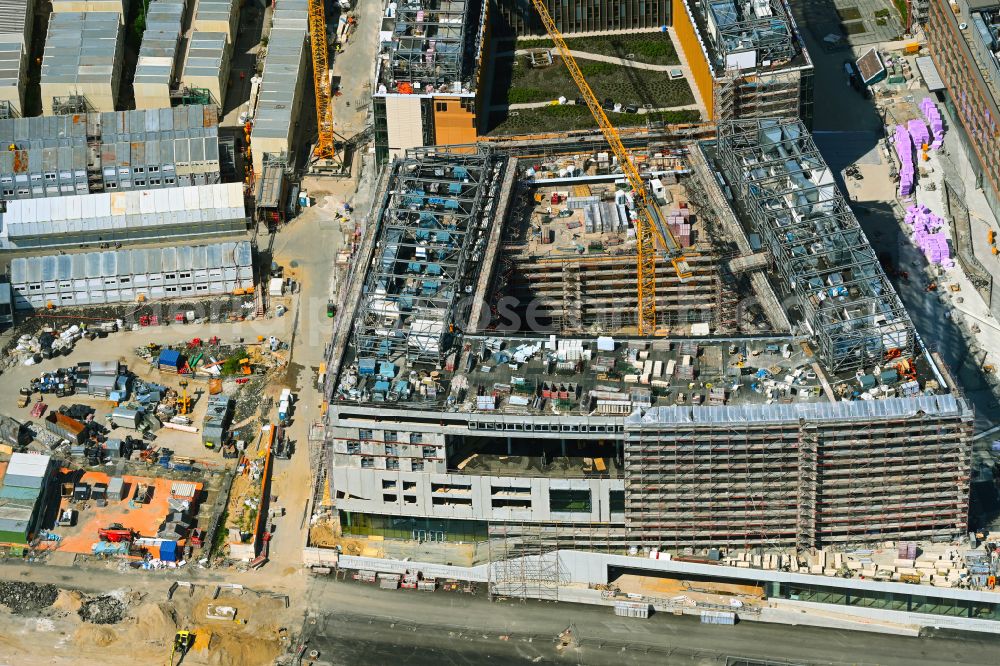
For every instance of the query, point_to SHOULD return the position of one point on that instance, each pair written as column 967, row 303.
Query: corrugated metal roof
column 123, row 263
column 783, row 413
column 123, row 214
column 279, row 88
column 81, row 47
column 28, row 464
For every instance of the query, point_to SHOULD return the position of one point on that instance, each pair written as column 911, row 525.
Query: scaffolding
column 433, row 229
column 788, row 195
column 522, row 566
column 783, row 476
column 747, row 34
column 428, row 47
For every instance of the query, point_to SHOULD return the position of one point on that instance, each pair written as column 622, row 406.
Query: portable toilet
column 168, row 551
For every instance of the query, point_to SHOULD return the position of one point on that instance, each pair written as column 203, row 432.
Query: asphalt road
column 351, row 623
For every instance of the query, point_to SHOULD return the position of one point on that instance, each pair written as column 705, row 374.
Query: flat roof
column 929, row 71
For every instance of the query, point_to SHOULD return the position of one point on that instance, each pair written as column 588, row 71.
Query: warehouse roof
column 114, row 263
column 118, row 211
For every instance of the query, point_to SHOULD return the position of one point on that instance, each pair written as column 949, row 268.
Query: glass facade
column 401, row 527
column 893, row 601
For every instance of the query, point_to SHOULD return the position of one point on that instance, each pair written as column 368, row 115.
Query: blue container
column 170, row 358
column 168, row 551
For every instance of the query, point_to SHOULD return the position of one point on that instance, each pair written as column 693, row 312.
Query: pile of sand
column 242, row 650
column 156, row 621
column 68, row 601
column 96, row 635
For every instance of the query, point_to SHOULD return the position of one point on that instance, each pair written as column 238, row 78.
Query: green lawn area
column 654, row 48
column 572, row 117
column 516, row 82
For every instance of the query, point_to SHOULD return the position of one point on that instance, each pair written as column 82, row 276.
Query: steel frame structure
column 772, row 37
column 428, row 43
column 434, row 223
column 781, row 183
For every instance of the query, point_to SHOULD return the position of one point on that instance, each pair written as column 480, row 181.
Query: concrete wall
column 468, row 497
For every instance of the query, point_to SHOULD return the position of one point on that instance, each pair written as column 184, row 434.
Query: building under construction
column 486, row 382
column 428, row 76
column 748, row 59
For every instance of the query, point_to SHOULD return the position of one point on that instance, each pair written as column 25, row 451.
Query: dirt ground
column 259, row 633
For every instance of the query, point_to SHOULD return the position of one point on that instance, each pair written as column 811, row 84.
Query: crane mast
column 649, row 226
column 321, row 81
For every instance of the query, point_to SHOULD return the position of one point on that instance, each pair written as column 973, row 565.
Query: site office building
column 427, row 74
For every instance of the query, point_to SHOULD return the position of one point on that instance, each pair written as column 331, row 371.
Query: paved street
column 358, row 624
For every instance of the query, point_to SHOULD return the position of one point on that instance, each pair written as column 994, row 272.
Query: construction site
column 491, row 385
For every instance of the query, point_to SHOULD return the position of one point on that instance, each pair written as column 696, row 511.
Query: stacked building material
column 904, row 149
column 933, row 116
column 929, row 236
column 918, row 131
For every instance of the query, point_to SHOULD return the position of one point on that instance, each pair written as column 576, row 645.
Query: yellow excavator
column 183, row 640
column 651, row 233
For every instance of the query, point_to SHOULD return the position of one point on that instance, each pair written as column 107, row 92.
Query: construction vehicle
column 183, row 640
column 650, row 229
column 184, row 401
column 116, row 533
column 324, row 149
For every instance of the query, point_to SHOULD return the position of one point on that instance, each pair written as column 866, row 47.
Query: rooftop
column 753, row 35
column 982, row 33
column 81, row 47
column 785, row 192
column 452, row 231
column 138, row 214
column 279, row 84
column 114, row 263
column 431, row 46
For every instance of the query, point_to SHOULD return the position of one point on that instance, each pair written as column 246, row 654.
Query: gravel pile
column 27, row 597
column 107, row 609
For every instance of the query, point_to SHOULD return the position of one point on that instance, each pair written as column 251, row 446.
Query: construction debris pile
column 51, row 342
column 106, row 609
column 23, row 598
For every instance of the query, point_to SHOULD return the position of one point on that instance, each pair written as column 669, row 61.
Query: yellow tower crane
column 649, row 228
column 321, row 81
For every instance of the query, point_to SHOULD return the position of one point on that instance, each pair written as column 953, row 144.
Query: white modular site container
column 156, row 69
column 207, row 62
column 218, row 16
column 119, row 7
column 142, row 215
column 280, row 95
column 13, row 69
column 169, row 147
column 124, row 276
column 82, row 58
